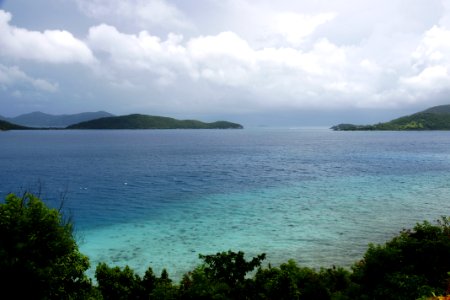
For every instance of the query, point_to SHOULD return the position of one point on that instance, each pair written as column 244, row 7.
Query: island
column 138, row 121
column 434, row 118
column 4, row 125
column 39, row 119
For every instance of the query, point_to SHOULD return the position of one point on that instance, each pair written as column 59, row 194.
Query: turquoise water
column 159, row 198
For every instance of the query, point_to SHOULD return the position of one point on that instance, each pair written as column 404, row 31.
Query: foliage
column 38, row 254
column 290, row 281
column 413, row 264
column 137, row 121
column 221, row 276
column 440, row 109
column 418, row 121
column 37, row 251
column 230, row 267
column 435, row 118
column 116, row 283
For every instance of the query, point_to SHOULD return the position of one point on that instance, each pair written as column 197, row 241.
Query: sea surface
column 159, row 198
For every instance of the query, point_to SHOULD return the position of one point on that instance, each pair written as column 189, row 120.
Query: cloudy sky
column 284, row 62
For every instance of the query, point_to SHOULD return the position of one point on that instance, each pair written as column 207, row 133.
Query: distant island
column 105, row 120
column 39, row 119
column 4, row 125
column 434, row 118
column 138, row 121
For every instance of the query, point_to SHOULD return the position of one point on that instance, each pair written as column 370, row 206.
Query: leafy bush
column 38, row 254
column 221, row 276
column 290, row 281
column 39, row 259
column 115, row 283
column 413, row 264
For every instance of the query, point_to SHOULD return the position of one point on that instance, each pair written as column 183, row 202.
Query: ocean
column 160, row 198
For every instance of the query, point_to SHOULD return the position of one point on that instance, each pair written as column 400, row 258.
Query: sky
column 258, row 62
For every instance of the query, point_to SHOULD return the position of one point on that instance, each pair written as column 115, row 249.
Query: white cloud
column 434, row 47
column 140, row 52
column 144, row 13
column 295, row 27
column 224, row 44
column 431, row 62
column 317, row 75
column 431, row 78
column 51, row 46
column 13, row 77
column 370, row 66
column 445, row 19
column 227, row 60
column 252, row 54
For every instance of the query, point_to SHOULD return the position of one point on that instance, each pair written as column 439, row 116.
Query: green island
column 133, row 121
column 434, row 118
column 40, row 259
column 138, row 121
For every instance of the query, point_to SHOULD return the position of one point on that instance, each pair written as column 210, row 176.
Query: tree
column 291, row 282
column 121, row 284
column 413, row 264
column 230, row 267
column 39, row 257
column 221, row 276
column 115, row 283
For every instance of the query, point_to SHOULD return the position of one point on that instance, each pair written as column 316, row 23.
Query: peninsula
column 138, row 121
column 434, row 118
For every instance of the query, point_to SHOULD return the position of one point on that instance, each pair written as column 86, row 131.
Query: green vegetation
column 137, row 121
column 10, row 126
column 412, row 264
column 39, row 259
column 117, row 283
column 441, row 109
column 435, row 118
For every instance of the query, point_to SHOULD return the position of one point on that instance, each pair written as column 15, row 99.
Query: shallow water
column 159, row 198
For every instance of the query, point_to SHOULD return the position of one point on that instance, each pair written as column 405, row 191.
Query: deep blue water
column 160, row 197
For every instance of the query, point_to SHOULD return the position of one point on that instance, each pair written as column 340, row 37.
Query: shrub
column 221, row 276
column 290, row 281
column 120, row 284
column 411, row 265
column 39, row 257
